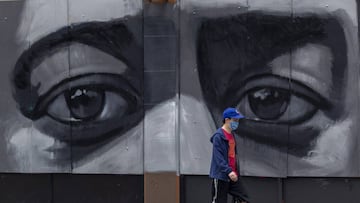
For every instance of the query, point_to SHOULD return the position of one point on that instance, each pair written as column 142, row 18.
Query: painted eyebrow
column 262, row 32
column 245, row 36
column 110, row 37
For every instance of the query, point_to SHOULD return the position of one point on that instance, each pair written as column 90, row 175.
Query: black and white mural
column 107, row 87
column 290, row 66
column 77, row 85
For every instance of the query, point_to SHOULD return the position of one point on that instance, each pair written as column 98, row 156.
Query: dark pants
column 221, row 189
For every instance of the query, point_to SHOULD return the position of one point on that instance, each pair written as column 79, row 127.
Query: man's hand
column 233, row 176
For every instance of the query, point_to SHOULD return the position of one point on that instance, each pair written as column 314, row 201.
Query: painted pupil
column 269, row 103
column 85, row 103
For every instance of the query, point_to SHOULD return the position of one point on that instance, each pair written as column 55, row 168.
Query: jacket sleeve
column 220, row 156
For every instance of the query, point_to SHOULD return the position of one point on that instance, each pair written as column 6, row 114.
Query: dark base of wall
column 196, row 189
column 67, row 188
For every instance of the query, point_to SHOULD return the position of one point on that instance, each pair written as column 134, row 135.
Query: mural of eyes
column 82, row 84
column 278, row 103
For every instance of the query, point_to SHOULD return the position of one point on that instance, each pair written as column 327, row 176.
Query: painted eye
column 274, row 104
column 81, row 104
column 93, row 107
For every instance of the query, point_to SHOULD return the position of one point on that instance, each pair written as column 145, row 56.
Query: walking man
column 224, row 170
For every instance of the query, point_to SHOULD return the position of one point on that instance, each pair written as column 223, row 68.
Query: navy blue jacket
column 220, row 168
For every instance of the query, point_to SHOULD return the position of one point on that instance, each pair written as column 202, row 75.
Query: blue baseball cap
column 232, row 113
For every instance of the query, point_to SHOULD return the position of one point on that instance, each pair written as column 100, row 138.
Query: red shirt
column 231, row 154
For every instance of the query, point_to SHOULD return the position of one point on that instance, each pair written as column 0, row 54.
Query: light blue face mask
column 234, row 125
